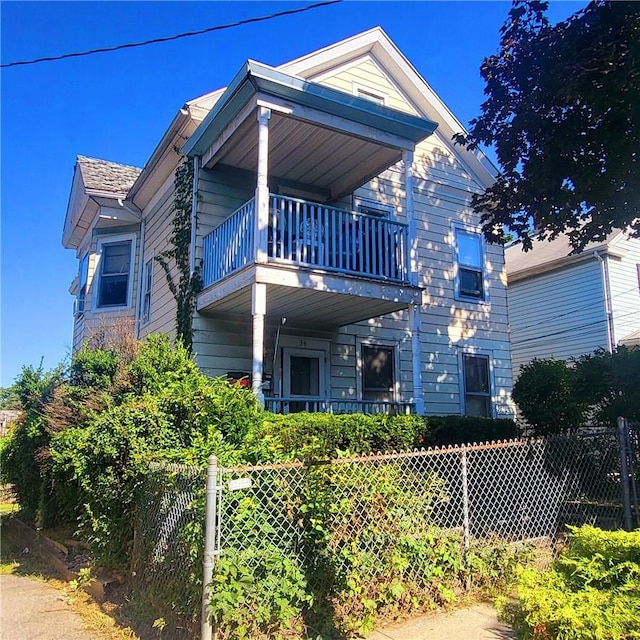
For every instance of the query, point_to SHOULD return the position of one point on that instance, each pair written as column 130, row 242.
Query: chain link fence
column 394, row 519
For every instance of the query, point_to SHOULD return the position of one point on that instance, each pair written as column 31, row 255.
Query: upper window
column 114, row 282
column 378, row 373
column 470, row 259
column 477, row 385
column 83, row 276
column 373, row 208
column 147, row 285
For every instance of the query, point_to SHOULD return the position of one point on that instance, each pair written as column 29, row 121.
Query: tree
column 563, row 112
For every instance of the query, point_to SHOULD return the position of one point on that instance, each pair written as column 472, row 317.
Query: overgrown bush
column 592, row 591
column 448, row 430
column 555, row 396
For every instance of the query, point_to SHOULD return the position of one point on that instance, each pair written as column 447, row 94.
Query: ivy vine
column 185, row 286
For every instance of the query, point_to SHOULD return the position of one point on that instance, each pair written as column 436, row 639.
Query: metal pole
column 209, row 544
column 465, row 498
column 624, row 473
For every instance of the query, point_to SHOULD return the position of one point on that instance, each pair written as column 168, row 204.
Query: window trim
column 374, row 342
column 456, row 228
column 146, row 264
column 101, row 242
column 81, row 300
column 482, row 353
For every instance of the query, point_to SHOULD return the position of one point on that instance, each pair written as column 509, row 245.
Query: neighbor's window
column 147, row 285
column 115, row 272
column 82, row 290
column 378, row 375
column 477, row 386
column 469, row 256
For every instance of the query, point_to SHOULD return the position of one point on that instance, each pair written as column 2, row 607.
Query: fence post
column 465, row 498
column 624, row 471
column 209, row 544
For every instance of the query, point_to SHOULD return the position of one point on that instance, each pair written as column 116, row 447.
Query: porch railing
column 312, row 235
column 295, row 405
column 229, row 246
column 335, row 239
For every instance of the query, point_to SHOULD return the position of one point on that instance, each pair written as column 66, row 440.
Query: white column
column 414, row 325
column 407, row 158
column 262, row 187
column 258, row 310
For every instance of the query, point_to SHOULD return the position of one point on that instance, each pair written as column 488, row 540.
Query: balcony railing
column 295, row 405
column 311, row 235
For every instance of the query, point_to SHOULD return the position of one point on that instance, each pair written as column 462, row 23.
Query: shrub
column 592, row 591
column 449, row 430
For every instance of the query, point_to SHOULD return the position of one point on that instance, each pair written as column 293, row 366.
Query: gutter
column 607, row 299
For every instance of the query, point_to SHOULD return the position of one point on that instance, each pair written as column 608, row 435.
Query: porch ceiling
column 303, row 152
column 318, row 135
column 324, row 302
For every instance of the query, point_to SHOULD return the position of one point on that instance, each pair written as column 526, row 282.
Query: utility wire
column 570, row 312
column 187, row 34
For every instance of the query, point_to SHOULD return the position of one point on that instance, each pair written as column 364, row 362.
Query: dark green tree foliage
column 184, row 285
column 556, row 396
column 562, row 111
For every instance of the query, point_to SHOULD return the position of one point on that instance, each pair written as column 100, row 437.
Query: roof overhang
column 351, row 138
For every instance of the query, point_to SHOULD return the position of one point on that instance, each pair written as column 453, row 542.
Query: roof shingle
column 110, row 177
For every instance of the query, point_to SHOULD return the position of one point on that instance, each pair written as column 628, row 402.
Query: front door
column 304, row 372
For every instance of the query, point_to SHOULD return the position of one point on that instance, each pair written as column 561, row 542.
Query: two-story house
column 343, row 267
column 564, row 305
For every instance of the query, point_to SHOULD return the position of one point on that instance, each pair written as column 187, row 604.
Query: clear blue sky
column 117, row 106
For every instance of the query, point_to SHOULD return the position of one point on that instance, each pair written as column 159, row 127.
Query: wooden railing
column 295, row 405
column 230, row 245
column 312, row 235
column 337, row 240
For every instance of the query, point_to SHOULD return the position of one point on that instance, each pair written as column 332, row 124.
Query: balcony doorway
column 303, row 378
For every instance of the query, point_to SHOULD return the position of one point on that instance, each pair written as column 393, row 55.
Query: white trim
column 143, row 290
column 472, row 351
column 471, row 230
column 378, row 342
column 112, row 239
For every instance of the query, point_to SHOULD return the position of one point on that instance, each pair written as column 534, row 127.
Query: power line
column 570, row 312
column 187, row 34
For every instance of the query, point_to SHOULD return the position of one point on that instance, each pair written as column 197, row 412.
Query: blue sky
column 117, row 106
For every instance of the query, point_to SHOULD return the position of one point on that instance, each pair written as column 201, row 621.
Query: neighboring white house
column 343, row 265
column 563, row 306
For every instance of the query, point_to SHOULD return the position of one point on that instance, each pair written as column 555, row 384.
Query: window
column 373, row 208
column 477, row 385
column 469, row 258
column 82, row 284
column 378, row 373
column 115, row 271
column 147, row 285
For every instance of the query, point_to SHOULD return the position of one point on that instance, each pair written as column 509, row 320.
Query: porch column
column 258, row 310
column 414, row 327
column 262, row 188
column 407, row 157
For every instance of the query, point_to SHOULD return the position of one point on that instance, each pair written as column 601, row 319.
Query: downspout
column 143, row 226
column 194, row 215
column 607, row 300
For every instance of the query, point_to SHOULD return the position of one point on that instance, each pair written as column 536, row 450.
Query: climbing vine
column 184, row 285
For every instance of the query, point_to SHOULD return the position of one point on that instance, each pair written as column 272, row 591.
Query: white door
column 304, row 378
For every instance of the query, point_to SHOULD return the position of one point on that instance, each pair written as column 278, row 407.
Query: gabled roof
column 107, row 177
column 547, row 255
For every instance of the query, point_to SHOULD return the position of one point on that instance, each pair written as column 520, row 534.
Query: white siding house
column 342, row 264
column 563, row 306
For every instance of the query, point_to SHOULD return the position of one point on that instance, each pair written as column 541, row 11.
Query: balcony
column 337, row 406
column 312, row 236
column 324, row 265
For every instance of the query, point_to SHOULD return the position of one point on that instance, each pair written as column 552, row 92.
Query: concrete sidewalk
column 478, row 622
column 32, row 610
